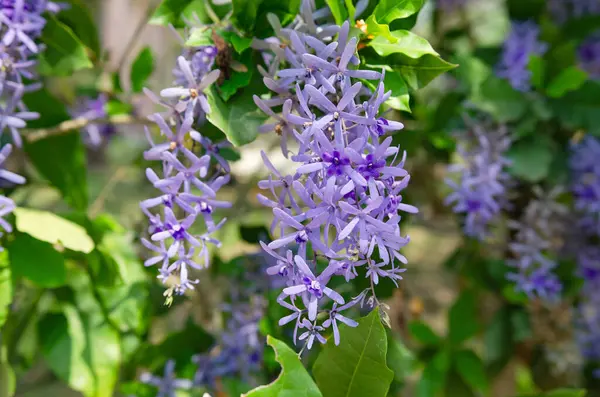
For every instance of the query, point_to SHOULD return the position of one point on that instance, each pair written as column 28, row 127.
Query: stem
column 32, row 135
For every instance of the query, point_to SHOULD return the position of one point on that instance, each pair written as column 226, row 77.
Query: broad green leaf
column 357, row 367
column 569, row 79
column 471, row 369
column 293, row 381
column 52, row 110
column 239, row 118
column 141, row 69
column 8, row 381
column 462, row 319
column 423, row 333
column 77, row 16
column 338, row 9
column 245, row 13
column 531, row 159
column 63, row 344
column 174, row 11
column 46, row 226
column 69, row 174
column 412, row 56
column 497, row 97
column 399, row 359
column 238, row 80
column 64, row 52
column 82, row 353
column 580, row 109
column 240, row 44
column 400, row 99
column 387, row 11
column 379, row 29
column 434, row 375
column 37, row 261
column 200, row 37
column 6, row 288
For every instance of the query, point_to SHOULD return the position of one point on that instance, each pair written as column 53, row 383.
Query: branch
column 35, row 134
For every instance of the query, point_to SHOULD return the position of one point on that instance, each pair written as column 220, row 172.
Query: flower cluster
column 239, row 348
column 538, row 239
column 338, row 215
column 7, row 178
column 588, row 54
column 585, row 170
column 588, row 319
column 563, row 10
column 480, row 190
column 521, row 44
column 94, row 109
column 191, row 174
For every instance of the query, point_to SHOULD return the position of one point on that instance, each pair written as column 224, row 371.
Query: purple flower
column 585, row 183
column 6, row 204
column 344, row 199
column 563, row 10
column 168, row 384
column 520, row 45
column 94, row 109
column 588, row 54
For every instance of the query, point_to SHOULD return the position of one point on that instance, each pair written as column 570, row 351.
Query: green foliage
column 69, row 174
column 423, row 333
column 569, row 79
column 8, row 382
column 293, row 380
column 471, row 369
column 37, row 261
column 173, row 12
column 6, row 288
column 357, row 367
column 142, row 68
column 388, row 11
column 498, row 98
column 338, row 9
column 46, row 226
column 77, row 16
column 531, row 159
column 64, row 53
column 399, row 358
column 251, row 15
column 462, row 318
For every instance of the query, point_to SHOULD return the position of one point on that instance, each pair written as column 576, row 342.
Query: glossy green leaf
column 412, row 56
column 531, row 159
column 569, row 79
column 387, row 11
column 379, row 29
column 293, row 380
column 471, row 369
column 141, row 69
column 338, row 9
column 174, row 11
column 6, row 288
column 83, row 354
column 8, row 381
column 399, row 358
column 238, row 119
column 423, row 333
column 462, row 319
column 37, row 261
column 69, row 174
column 46, row 226
column 78, row 17
column 357, row 367
column 64, row 53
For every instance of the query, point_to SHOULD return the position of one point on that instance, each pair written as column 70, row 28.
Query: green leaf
column 69, row 174
column 64, row 53
column 497, row 97
column 462, row 318
column 84, row 355
column 379, row 29
column 423, row 333
column 245, row 13
column 142, row 68
column 8, row 381
column 77, row 16
column 393, row 81
column 351, row 11
column 46, row 226
column 338, row 9
column 6, row 288
column 569, row 79
column 200, row 37
column 387, row 11
column 293, row 380
column 537, row 67
column 412, row 56
column 531, row 159
column 471, row 369
column 52, row 111
column 240, row 44
column 357, row 367
column 239, row 118
column 174, row 11
column 434, row 375
column 37, row 261
column 237, row 79
column 399, row 358
column 521, row 326
column 580, row 109
column 498, row 340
